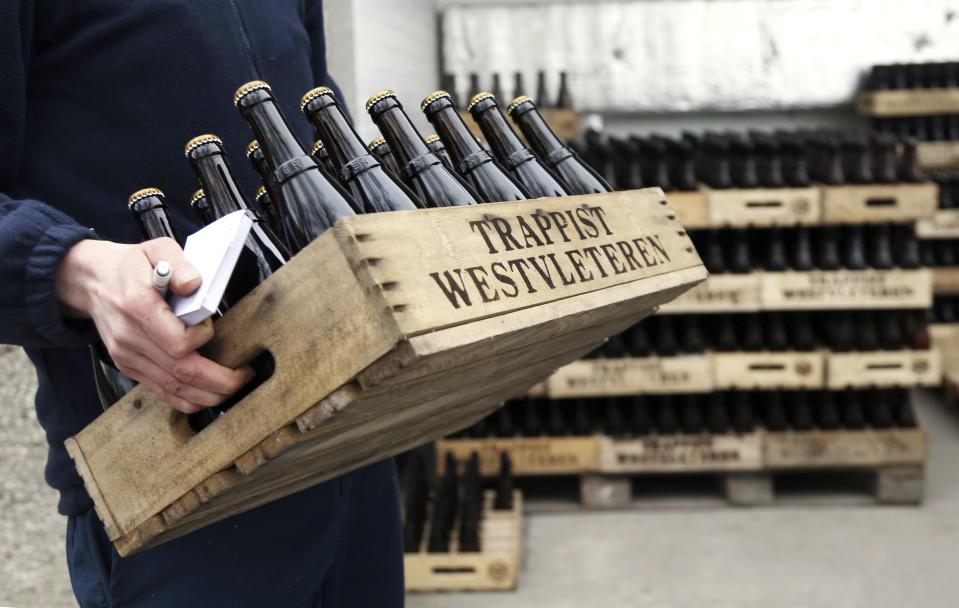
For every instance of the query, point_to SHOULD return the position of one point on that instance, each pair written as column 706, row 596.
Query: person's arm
column 56, row 276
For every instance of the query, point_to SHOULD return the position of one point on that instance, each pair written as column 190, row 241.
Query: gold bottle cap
column 431, row 138
column 433, row 97
column 478, row 98
column 197, row 196
column 516, row 102
column 379, row 97
column 376, row 142
column 317, row 146
column 314, row 93
column 253, row 85
column 260, row 192
column 142, row 194
column 199, row 140
column 252, row 147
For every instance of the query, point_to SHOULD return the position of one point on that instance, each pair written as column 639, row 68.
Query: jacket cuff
column 43, row 308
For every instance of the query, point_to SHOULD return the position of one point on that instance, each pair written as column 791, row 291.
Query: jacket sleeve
column 34, row 237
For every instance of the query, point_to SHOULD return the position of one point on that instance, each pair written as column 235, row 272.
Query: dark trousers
column 336, row 544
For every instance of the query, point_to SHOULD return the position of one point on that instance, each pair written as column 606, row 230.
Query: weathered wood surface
column 943, row 225
column 758, row 207
column 768, row 370
column 877, row 203
column 945, row 280
column 846, row 290
column 391, row 330
column 720, row 293
column 908, row 102
column 896, row 368
column 631, row 376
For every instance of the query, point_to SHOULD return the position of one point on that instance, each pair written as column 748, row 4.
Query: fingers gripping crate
column 388, row 331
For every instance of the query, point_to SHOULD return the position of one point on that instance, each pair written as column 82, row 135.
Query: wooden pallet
column 745, row 464
column 945, row 280
column 494, row 568
column 878, row 203
column 939, row 154
column 388, row 331
column 908, row 102
column 943, row 225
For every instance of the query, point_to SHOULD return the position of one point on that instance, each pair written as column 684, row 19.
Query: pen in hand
column 161, row 277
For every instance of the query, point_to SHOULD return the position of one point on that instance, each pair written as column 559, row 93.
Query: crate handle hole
column 766, row 367
column 882, row 366
column 454, row 570
column 763, row 204
column 263, row 366
column 880, row 202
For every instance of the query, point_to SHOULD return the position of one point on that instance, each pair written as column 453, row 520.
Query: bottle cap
column 478, row 98
column 431, row 138
column 197, row 196
column 317, row 146
column 376, row 142
column 517, row 102
column 252, row 147
column 199, row 140
column 253, row 85
column 142, row 194
column 314, row 93
column 379, row 97
column 434, row 96
column 260, row 192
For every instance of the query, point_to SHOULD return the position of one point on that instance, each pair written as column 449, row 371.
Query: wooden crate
column 945, row 338
column 908, row 102
column 528, row 455
column 943, row 225
column 939, row 154
column 877, row 203
column 494, row 568
column 768, row 370
column 719, row 293
column 897, row 368
column 844, row 449
column 847, row 290
column 691, row 208
column 631, row 376
column 945, row 280
column 758, row 207
column 388, row 331
column 563, row 121
column 681, row 453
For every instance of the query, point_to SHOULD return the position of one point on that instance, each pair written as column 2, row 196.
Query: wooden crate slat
column 908, row 102
column 686, row 453
column 939, row 154
column 883, row 369
column 943, row 225
column 847, row 289
column 844, row 449
column 875, row 203
column 720, row 293
column 945, row 280
column 692, row 208
column 630, row 376
column 768, row 370
column 764, row 206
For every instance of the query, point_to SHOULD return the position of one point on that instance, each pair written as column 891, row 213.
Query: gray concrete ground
column 784, row 556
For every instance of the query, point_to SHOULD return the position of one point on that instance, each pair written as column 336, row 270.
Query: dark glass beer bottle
column 322, row 156
column 373, row 188
column 510, row 151
column 263, row 252
column 519, row 88
column 542, row 92
column 435, row 144
column 266, row 209
column 495, row 88
column 420, row 169
column 565, row 98
column 470, row 160
column 573, row 173
column 381, row 149
column 201, row 207
column 309, row 202
column 258, row 159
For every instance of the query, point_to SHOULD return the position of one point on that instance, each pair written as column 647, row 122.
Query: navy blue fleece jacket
column 98, row 98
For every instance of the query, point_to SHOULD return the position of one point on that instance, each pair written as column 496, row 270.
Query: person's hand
column 111, row 284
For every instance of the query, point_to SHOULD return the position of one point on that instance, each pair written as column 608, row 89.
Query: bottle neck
column 258, row 158
column 404, row 140
column 497, row 131
column 155, row 223
column 459, row 142
column 277, row 141
column 340, row 139
column 540, row 137
column 221, row 190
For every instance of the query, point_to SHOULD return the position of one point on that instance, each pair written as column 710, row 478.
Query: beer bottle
column 505, row 425
column 714, row 256
column 718, row 173
column 726, row 339
column 374, row 189
column 614, row 423
column 776, row 338
column 381, row 149
column 667, row 423
column 751, row 333
column 503, row 500
column 881, row 250
column 775, row 250
column 691, row 421
column 739, row 260
column 495, row 89
column 666, row 343
column 903, row 414
column 448, row 83
column 565, row 99
column 556, row 420
column 802, row 336
column 435, row 144
column 542, row 93
column 884, row 159
column 775, row 412
column 519, row 89
column 828, row 251
column 474, row 85
column 640, row 422
column 509, row 151
column 717, row 419
column 890, row 331
column 802, row 250
column 851, row 411
column 867, row 334
column 744, row 162
column 827, row 416
column 769, row 165
column 841, row 335
column 322, row 156
column 258, row 159
column 473, row 163
column 857, row 161
column 909, row 169
column 309, row 202
column 795, row 167
column 201, row 207
column 582, row 424
column 639, row 344
column 744, row 419
column 614, row 347
column 420, row 169
column 800, row 414
column 693, row 340
column 263, row 253
column 878, row 410
column 855, row 256
column 532, row 426
column 266, row 209
column 573, row 173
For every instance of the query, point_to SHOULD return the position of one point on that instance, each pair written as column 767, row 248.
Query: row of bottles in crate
column 945, row 309
column 750, row 160
column 935, row 127
column 831, row 247
column 717, row 413
column 494, row 84
column 454, row 508
column 905, row 76
column 836, row 330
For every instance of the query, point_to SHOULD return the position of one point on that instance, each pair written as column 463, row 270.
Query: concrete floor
column 694, row 553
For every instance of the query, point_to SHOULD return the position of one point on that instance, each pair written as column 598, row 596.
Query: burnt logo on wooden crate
column 803, row 367
column 847, row 285
column 801, row 206
column 528, row 274
column 674, row 450
column 920, row 365
column 498, row 570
